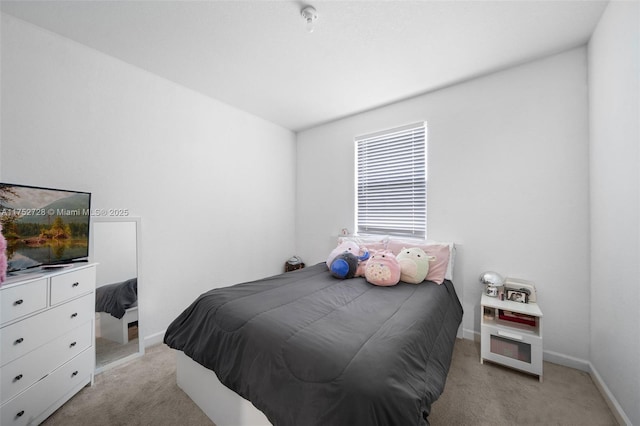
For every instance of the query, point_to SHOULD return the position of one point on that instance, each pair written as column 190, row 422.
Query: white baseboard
column 154, row 339
column 611, row 401
column 566, row 360
column 587, row 366
column 470, row 335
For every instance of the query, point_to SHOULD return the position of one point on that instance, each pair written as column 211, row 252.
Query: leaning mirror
column 115, row 244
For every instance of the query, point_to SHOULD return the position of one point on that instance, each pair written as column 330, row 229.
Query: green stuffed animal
column 414, row 265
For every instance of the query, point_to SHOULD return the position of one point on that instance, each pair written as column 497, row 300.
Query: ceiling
column 257, row 55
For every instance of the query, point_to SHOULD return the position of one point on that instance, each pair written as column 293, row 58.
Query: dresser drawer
column 27, row 370
column 28, row 407
column 21, row 300
column 22, row 337
column 72, row 284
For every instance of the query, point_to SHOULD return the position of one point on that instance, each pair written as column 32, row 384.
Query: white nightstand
column 511, row 334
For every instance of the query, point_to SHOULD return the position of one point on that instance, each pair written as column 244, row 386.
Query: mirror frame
column 115, row 219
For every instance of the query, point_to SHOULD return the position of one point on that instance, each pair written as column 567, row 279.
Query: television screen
column 44, row 226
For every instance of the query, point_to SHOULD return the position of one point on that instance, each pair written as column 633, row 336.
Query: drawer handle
column 18, row 341
column 509, row 335
column 76, row 284
column 74, row 374
column 18, row 377
column 18, row 302
column 20, row 413
column 73, row 315
column 72, row 344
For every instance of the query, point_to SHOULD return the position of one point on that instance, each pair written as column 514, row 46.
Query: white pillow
column 364, row 240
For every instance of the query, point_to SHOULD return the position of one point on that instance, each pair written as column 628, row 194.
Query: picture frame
column 518, row 296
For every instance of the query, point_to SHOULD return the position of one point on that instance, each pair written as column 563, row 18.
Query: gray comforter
column 309, row 349
column 116, row 298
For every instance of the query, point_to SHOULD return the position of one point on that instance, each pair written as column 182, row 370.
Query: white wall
column 114, row 247
column 212, row 184
column 507, row 181
column 614, row 83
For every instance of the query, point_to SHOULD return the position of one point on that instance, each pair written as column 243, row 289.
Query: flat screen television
column 44, row 226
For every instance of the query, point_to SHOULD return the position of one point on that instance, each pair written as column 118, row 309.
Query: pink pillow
column 437, row 267
column 374, row 246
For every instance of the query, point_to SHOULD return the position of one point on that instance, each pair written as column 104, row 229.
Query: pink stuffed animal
column 382, row 269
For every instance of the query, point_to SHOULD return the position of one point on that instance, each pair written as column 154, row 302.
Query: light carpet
column 144, row 392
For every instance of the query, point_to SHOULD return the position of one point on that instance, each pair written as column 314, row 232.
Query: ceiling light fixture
column 310, row 15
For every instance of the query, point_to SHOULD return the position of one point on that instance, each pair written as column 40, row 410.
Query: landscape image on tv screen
column 43, row 226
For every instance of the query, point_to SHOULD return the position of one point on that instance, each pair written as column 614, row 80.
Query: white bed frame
column 222, row 405
column 116, row 329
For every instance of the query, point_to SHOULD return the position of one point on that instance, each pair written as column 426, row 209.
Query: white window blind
column 391, row 182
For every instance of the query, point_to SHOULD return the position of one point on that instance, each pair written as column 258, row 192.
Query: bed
column 117, row 304
column 309, row 349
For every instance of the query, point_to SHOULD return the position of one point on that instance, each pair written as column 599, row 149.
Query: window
column 392, row 182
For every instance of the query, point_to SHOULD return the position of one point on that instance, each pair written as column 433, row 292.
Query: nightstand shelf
column 511, row 334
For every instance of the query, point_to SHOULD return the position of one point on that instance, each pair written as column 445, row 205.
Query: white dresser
column 47, row 351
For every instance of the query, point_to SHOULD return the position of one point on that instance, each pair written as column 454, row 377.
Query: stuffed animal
column 361, row 253
column 347, row 246
column 362, row 262
column 414, row 265
column 344, row 265
column 382, row 269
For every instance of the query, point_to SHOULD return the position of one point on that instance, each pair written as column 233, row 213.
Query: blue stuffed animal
column 345, row 265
